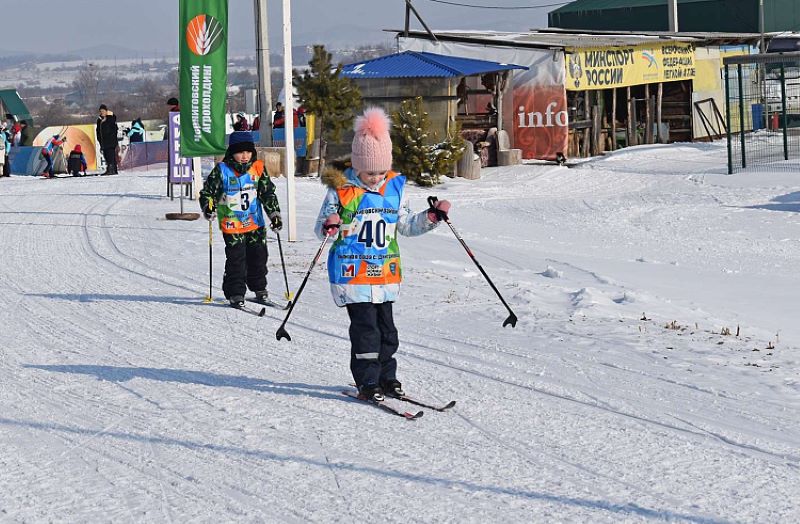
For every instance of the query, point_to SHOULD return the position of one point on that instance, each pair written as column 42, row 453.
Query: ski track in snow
column 617, row 398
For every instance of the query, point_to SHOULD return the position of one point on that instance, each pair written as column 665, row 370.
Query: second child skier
column 235, row 191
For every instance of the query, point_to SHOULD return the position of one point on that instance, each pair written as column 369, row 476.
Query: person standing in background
column 278, row 119
column 107, row 138
column 136, row 131
column 174, row 107
column 24, row 134
column 241, row 123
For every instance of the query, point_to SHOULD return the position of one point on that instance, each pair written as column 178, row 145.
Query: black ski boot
column 237, row 302
column 371, row 392
column 393, row 388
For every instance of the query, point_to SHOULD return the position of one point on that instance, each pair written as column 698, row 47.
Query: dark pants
column 245, row 263
column 74, row 166
column 110, row 154
column 6, row 168
column 49, row 167
column 373, row 343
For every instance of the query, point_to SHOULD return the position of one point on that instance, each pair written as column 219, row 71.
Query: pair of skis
column 408, row 415
column 260, row 312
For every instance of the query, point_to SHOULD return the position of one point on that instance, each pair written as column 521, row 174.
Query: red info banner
column 541, row 126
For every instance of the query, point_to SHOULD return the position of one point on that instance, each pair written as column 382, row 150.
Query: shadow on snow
column 203, row 378
column 621, row 509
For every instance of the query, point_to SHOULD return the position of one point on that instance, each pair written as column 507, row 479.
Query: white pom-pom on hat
column 372, row 145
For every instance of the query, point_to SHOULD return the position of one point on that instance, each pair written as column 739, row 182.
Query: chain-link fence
column 763, row 111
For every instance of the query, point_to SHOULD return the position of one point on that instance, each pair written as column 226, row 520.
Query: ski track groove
column 527, row 452
column 93, row 249
column 521, row 449
column 110, row 241
column 480, row 357
column 692, row 430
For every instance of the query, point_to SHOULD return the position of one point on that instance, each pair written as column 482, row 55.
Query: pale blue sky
column 149, row 26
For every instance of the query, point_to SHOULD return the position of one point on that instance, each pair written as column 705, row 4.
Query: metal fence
column 763, row 111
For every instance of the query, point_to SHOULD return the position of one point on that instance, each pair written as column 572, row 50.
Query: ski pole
column 288, row 296
column 281, row 333
column 441, row 215
column 208, row 298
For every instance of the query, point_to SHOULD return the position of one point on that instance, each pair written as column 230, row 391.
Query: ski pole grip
column 328, row 227
column 441, row 215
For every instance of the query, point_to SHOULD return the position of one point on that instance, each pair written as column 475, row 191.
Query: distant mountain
column 345, row 36
column 7, row 52
column 23, row 59
column 10, row 58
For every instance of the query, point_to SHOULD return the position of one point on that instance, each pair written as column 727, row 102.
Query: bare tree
column 87, row 83
column 150, row 99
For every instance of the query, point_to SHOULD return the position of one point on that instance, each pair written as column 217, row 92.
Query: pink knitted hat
column 372, row 146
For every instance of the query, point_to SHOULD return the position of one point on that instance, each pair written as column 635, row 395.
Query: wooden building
column 587, row 92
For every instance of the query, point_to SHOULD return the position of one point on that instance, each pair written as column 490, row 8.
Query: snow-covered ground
column 619, row 396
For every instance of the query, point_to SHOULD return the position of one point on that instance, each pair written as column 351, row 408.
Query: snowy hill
column 619, row 396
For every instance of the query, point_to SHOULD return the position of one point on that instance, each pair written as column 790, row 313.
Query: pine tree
column 332, row 99
column 414, row 155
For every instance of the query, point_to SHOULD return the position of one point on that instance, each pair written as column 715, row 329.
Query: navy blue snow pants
column 373, row 343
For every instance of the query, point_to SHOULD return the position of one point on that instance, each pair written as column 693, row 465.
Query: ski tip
column 262, row 312
column 413, row 416
column 449, row 405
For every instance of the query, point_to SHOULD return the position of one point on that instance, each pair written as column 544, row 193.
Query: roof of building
column 414, row 64
column 561, row 38
column 600, row 5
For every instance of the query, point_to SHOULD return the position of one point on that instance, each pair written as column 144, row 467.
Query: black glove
column 208, row 214
column 275, row 222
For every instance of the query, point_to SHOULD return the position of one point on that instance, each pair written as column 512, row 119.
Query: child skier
column 76, row 162
column 235, row 191
column 364, row 209
column 47, row 153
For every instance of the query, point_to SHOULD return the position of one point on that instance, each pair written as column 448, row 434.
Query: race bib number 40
column 374, row 232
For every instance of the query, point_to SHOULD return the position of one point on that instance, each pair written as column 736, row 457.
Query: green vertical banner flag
column 203, row 74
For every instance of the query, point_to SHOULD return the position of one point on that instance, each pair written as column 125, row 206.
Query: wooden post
column 648, row 116
column 587, row 136
column 659, row 100
column 614, row 119
column 499, row 107
column 651, row 104
column 628, row 137
column 596, row 130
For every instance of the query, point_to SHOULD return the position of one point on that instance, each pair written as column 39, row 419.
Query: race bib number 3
column 241, row 201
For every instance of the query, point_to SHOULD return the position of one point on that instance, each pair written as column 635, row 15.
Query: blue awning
column 414, row 64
